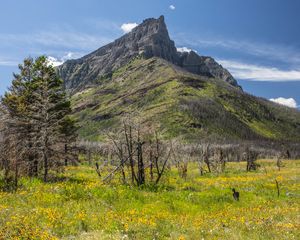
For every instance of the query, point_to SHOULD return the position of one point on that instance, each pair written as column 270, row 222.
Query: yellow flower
column 279, row 178
column 126, row 227
column 81, row 216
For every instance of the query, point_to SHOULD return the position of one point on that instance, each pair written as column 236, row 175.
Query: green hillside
column 182, row 103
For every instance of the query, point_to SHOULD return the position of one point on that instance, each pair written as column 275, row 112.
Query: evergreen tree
column 69, row 132
column 51, row 108
column 16, row 124
column 37, row 109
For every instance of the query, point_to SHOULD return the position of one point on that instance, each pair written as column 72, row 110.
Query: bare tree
column 280, row 157
column 159, row 162
column 139, row 148
column 12, row 146
column 181, row 156
column 206, row 156
column 251, row 157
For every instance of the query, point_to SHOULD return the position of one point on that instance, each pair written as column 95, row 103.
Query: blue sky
column 258, row 41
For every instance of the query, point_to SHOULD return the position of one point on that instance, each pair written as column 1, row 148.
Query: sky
column 257, row 41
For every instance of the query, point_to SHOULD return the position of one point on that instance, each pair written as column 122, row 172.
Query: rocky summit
column 149, row 39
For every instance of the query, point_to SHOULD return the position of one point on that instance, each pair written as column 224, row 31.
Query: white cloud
column 54, row 61
column 57, row 38
column 172, row 7
column 283, row 53
column 71, row 55
column 259, row 73
column 127, row 27
column 290, row 102
column 8, row 63
column 184, row 49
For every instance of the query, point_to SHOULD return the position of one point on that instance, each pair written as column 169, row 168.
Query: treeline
column 37, row 135
column 138, row 154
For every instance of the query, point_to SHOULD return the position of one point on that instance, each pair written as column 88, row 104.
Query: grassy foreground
column 200, row 207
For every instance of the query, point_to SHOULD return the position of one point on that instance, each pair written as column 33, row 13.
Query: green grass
column 156, row 92
column 200, row 207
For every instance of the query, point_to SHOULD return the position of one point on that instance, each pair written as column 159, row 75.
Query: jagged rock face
column 149, row 39
column 153, row 40
column 207, row 66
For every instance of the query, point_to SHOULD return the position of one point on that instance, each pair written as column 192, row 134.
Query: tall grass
column 80, row 206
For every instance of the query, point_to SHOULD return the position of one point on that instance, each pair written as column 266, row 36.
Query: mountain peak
column 159, row 21
column 155, row 26
column 149, row 39
column 152, row 38
column 161, row 18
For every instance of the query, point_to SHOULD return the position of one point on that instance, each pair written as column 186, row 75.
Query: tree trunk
column 128, row 137
column 16, row 175
column 45, row 159
column 151, row 166
column 122, row 165
column 35, row 168
column 141, row 170
column 66, row 154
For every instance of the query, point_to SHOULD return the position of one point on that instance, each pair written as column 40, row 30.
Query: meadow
column 78, row 205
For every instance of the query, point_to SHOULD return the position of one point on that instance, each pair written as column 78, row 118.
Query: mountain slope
column 149, row 39
column 182, row 103
column 187, row 95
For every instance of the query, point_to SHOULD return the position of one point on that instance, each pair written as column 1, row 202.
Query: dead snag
column 277, row 187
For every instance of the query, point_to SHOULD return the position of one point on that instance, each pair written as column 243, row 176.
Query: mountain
column 149, row 39
column 185, row 94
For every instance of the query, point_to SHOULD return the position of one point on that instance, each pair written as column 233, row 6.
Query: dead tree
column 181, row 156
column 280, row 157
column 251, row 157
column 129, row 144
column 198, row 153
column 184, row 169
column 206, row 158
column 159, row 162
column 221, row 160
column 139, row 148
column 200, row 166
column 98, row 169
column 288, row 154
column 151, row 161
column 279, row 163
column 14, row 150
column 277, row 187
column 120, row 152
column 140, row 160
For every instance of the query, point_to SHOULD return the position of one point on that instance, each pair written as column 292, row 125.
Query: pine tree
column 51, row 107
column 16, row 123
column 68, row 130
column 37, row 110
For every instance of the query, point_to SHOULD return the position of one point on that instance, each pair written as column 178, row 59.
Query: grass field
column 200, row 207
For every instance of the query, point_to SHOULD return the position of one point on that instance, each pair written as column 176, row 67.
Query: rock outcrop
column 150, row 38
column 207, row 66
